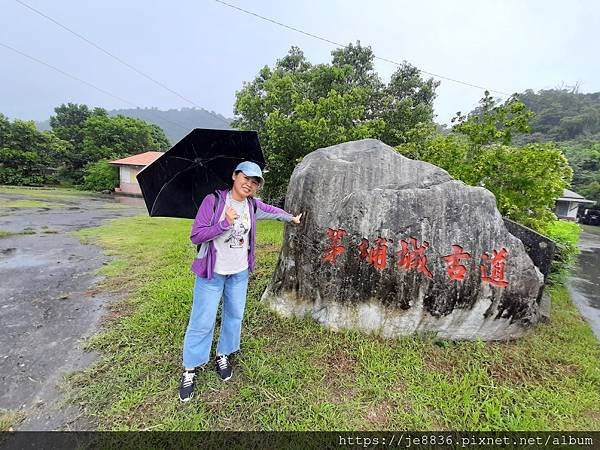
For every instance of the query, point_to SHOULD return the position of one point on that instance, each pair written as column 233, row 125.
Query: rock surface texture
column 393, row 247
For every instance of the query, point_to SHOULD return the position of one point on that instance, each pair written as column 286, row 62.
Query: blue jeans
column 207, row 296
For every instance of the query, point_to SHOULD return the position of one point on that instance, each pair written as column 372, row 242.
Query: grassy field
column 29, row 204
column 30, row 197
column 43, row 192
column 294, row 375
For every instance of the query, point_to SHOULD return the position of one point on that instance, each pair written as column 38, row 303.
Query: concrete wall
column 128, row 182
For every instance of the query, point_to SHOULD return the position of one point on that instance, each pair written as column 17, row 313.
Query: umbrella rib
column 195, row 163
column 172, row 179
column 167, row 184
column 200, row 161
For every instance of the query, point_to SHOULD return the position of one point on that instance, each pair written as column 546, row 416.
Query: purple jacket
column 204, row 230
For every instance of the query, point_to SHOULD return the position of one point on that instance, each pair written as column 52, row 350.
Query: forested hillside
column 176, row 123
column 563, row 115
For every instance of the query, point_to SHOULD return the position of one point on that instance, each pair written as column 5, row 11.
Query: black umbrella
column 176, row 183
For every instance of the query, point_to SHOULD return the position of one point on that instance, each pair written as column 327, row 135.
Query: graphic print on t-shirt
column 241, row 225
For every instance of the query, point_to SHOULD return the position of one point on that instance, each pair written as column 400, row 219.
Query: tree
column 94, row 135
column 584, row 158
column 407, row 106
column 298, row 107
column 28, row 156
column 526, row 180
column 68, row 122
column 100, row 176
column 113, row 137
column 492, row 122
column 563, row 114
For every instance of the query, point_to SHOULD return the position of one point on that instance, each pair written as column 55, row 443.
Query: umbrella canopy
column 176, row 183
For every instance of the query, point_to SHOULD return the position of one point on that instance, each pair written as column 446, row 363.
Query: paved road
column 48, row 304
column 584, row 284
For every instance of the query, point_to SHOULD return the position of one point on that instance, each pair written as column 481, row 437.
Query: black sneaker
column 224, row 367
column 186, row 387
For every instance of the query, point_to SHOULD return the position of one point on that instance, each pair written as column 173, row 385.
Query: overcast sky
column 205, row 50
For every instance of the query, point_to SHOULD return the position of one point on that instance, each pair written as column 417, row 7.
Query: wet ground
column 48, row 304
column 584, row 284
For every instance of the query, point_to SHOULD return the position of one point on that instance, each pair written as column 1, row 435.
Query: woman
column 225, row 226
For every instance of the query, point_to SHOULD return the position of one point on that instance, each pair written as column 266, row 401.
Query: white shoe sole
column 183, row 400
column 228, row 378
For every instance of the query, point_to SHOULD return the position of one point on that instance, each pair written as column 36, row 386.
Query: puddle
column 131, row 201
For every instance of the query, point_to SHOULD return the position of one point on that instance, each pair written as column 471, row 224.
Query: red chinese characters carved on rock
column 456, row 271
column 335, row 249
column 376, row 256
column 498, row 263
column 415, row 258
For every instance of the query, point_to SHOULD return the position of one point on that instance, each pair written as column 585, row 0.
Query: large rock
column 374, row 250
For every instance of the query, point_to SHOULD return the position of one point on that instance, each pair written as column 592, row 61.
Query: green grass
column 567, row 230
column 26, row 231
column 28, row 197
column 10, row 419
column 42, row 192
column 30, row 204
column 295, row 375
column 565, row 235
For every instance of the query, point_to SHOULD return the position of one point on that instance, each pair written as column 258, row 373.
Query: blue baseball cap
column 250, row 169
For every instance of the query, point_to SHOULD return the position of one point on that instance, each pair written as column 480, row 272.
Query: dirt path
column 48, row 304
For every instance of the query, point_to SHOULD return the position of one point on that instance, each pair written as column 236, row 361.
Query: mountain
column 563, row 115
column 175, row 122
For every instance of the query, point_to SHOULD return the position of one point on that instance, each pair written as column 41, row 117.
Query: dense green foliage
column 563, row 114
column 572, row 120
column 584, row 158
column 298, row 107
column 68, row 122
column 79, row 137
column 493, row 123
column 95, row 136
column 526, row 179
column 100, row 176
column 29, row 156
column 565, row 235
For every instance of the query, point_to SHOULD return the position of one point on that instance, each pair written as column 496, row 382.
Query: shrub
column 566, row 235
column 100, row 176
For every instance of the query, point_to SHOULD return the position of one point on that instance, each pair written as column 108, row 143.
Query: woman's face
column 244, row 186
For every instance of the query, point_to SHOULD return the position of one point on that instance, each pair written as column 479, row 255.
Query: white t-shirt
column 232, row 245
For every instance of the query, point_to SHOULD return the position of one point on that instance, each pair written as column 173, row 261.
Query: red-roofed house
column 128, row 169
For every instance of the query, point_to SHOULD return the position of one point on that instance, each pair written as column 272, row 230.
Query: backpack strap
column 216, row 194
